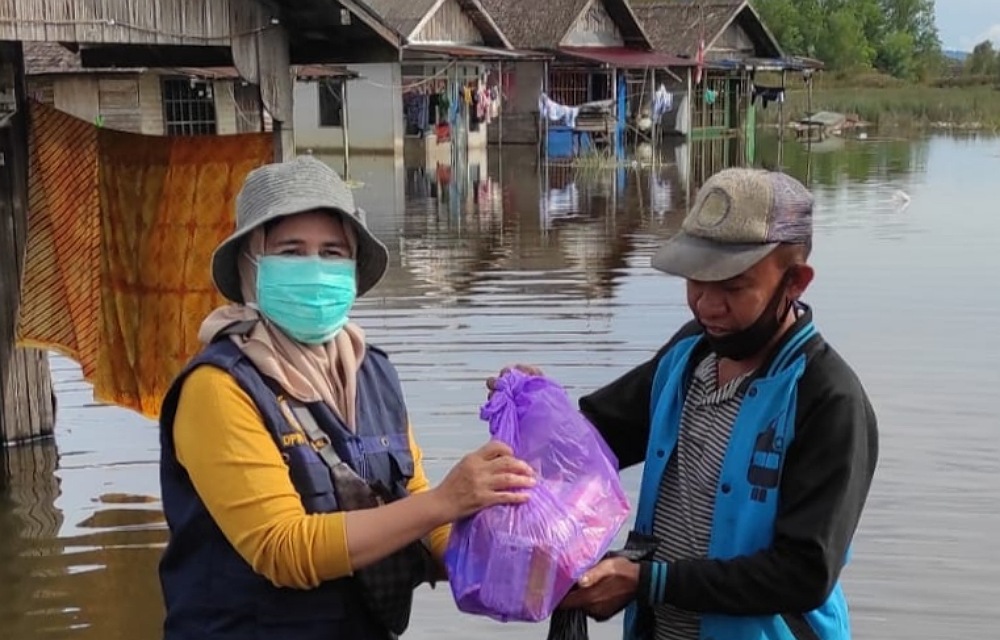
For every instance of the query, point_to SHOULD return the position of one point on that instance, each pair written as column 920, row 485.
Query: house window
column 331, row 107
column 188, row 107
column 570, row 88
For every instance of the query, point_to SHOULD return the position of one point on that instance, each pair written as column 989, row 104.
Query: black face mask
column 748, row 342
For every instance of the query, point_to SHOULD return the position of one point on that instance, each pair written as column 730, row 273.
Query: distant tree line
column 984, row 61
column 895, row 37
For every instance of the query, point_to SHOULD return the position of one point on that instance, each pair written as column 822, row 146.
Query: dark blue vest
column 209, row 590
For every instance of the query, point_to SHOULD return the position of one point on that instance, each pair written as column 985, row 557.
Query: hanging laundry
column 484, row 109
column 710, row 96
column 455, row 103
column 494, row 103
column 556, row 112
column 663, row 102
column 121, row 227
column 416, row 112
column 443, row 107
column 768, row 94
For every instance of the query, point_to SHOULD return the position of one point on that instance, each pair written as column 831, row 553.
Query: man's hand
column 491, row 382
column 606, row 589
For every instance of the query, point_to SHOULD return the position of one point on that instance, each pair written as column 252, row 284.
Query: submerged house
column 262, row 39
column 140, row 100
column 583, row 97
column 152, row 101
column 735, row 48
column 440, row 90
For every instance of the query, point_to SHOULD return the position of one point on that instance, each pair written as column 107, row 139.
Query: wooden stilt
column 26, row 398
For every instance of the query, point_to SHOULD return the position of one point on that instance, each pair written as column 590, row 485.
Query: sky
column 964, row 23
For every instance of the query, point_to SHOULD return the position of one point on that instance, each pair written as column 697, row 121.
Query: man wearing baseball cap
column 758, row 439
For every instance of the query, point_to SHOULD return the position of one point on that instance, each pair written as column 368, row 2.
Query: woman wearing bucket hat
column 294, row 492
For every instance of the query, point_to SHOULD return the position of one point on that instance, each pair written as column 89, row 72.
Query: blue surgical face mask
column 308, row 297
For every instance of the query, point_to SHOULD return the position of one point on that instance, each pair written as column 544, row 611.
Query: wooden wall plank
column 88, row 29
column 119, row 103
column 32, row 18
column 62, row 13
column 192, row 22
column 25, row 386
column 217, row 19
column 171, row 21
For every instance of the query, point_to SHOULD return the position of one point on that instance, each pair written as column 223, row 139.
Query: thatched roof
column 405, row 16
column 676, row 26
column 543, row 24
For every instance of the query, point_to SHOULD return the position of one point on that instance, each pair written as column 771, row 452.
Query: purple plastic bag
column 517, row 562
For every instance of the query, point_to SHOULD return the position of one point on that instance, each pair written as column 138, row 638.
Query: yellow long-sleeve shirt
column 238, row 472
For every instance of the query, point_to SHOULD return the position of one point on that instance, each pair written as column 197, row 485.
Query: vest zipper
column 362, row 459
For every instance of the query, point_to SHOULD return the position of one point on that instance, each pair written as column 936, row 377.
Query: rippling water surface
column 502, row 263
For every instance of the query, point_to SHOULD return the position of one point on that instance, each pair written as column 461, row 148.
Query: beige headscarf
column 308, row 373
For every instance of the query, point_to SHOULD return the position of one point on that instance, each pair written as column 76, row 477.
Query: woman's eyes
column 326, row 253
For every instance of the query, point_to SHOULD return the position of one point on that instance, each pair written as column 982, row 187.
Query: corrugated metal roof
column 303, row 72
column 473, row 51
column 625, row 58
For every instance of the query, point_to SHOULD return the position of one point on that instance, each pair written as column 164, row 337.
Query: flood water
column 502, row 262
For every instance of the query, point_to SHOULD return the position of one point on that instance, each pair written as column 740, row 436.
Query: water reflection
column 840, row 161
column 78, row 551
column 501, row 260
column 62, row 579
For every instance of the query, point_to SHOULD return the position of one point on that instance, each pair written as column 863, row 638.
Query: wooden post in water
column 27, row 477
column 26, row 398
column 345, row 122
column 781, row 124
column 690, row 138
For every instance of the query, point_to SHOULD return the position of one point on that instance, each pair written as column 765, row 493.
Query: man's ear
column 801, row 277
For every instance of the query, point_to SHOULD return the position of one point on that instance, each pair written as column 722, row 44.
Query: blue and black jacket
column 789, row 498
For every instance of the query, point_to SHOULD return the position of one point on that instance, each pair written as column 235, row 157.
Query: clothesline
column 412, row 85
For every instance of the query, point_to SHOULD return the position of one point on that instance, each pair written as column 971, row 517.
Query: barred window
column 188, row 107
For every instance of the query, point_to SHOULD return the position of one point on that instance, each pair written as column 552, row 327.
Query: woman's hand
column 488, row 476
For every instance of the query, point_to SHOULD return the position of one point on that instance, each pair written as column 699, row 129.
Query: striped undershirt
column 683, row 515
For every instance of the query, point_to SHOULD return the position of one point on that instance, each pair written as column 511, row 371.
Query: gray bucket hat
column 285, row 188
column 739, row 217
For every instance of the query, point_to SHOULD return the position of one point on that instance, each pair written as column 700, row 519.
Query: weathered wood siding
column 42, row 89
column 595, row 28
column 193, row 22
column 225, row 107
column 151, row 105
column 78, row 96
column 134, row 102
column 450, row 24
column 128, row 102
column 734, row 41
column 26, row 410
column 119, row 103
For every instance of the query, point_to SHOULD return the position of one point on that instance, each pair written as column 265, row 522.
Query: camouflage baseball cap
column 738, row 218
